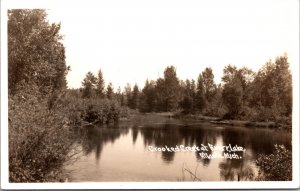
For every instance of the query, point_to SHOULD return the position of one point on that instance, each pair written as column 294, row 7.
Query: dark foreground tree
column 35, row 53
column 39, row 138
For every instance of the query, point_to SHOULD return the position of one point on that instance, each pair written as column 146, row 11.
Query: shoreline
column 210, row 119
column 235, row 122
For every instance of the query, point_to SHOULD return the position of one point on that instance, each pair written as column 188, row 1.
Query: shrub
column 40, row 134
column 39, row 140
column 92, row 110
column 276, row 166
column 101, row 111
column 215, row 110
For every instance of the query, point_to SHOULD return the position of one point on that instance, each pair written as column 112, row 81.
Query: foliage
column 35, row 53
column 232, row 96
column 100, row 85
column 110, row 91
column 100, row 111
column 209, row 85
column 200, row 94
column 159, row 95
column 243, row 94
column 188, row 104
column 276, row 166
column 93, row 86
column 171, row 89
column 134, row 101
column 215, row 106
column 39, row 140
column 127, row 95
column 119, row 96
column 39, row 135
column 272, row 89
column 148, row 97
column 92, row 110
column 89, row 85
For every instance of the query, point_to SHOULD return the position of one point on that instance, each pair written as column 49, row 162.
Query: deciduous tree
column 171, row 89
column 36, row 55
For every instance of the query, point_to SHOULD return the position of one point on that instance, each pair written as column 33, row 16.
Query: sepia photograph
column 150, row 94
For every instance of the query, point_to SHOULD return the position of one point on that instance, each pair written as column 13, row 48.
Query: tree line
column 37, row 64
column 242, row 94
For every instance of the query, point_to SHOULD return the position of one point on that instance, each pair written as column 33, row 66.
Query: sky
column 132, row 40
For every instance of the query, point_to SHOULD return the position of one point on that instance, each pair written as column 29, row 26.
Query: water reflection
column 164, row 135
column 94, row 138
column 231, row 170
column 134, row 134
column 198, row 136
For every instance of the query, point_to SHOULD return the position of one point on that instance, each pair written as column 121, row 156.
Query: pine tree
column 110, row 91
column 127, row 94
column 135, row 97
column 100, row 85
column 148, row 97
column 89, row 84
column 200, row 94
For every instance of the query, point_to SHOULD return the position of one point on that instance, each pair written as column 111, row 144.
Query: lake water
column 121, row 152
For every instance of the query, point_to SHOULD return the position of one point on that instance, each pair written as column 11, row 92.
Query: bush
column 101, row 111
column 276, row 166
column 39, row 140
column 40, row 131
column 215, row 111
column 92, row 110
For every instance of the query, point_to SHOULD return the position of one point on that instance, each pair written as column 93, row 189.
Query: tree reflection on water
column 93, row 139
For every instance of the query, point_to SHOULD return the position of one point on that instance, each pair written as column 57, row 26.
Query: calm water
column 120, row 152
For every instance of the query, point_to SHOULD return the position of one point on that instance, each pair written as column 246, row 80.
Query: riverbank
column 242, row 123
column 136, row 117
